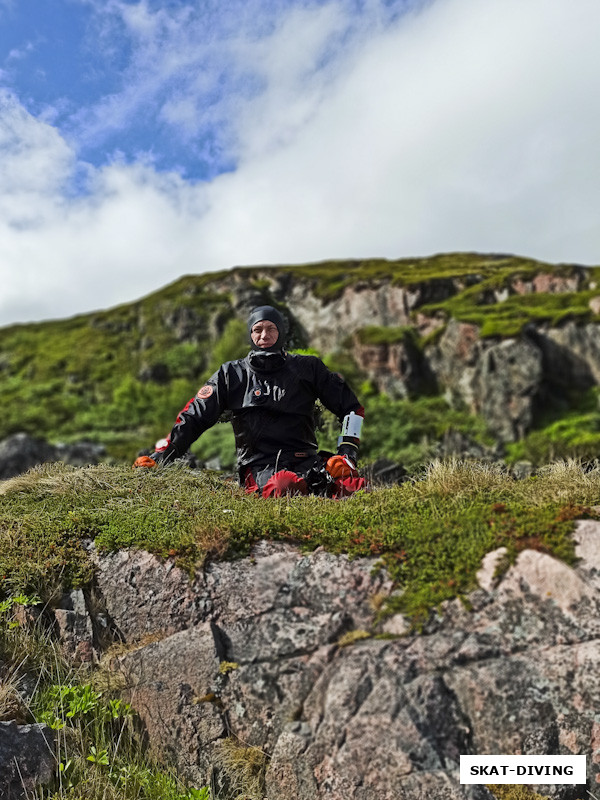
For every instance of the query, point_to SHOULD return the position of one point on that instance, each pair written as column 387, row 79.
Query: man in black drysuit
column 271, row 395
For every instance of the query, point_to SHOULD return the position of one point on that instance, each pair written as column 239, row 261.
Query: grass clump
column 431, row 532
column 377, row 335
column 351, row 637
column 514, row 792
column 241, row 769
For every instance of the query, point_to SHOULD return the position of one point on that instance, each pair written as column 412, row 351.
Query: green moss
column 431, row 533
column 373, row 334
column 510, row 316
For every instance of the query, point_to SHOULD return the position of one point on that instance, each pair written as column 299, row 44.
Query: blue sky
column 145, row 139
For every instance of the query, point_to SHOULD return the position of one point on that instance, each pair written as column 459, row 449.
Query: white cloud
column 467, row 126
column 34, row 163
column 198, row 68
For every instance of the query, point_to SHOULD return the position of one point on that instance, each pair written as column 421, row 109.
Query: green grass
column 100, row 753
column 563, row 433
column 431, row 533
column 374, row 334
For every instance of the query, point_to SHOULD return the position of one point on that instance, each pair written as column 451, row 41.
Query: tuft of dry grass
column 61, row 478
column 12, row 705
column 213, row 542
column 243, row 768
column 454, row 477
column 509, row 791
column 351, row 637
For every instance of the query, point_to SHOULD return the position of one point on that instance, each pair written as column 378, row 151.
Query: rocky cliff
column 285, row 655
column 415, row 337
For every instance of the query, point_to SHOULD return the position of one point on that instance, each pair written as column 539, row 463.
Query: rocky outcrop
column 498, row 379
column 572, row 354
column 27, row 759
column 21, row 452
column 549, row 283
column 284, row 652
column 381, row 303
column 397, row 369
column 272, row 619
column 74, row 628
column 508, row 380
column 511, row 382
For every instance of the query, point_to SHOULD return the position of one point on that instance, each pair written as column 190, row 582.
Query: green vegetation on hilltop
column 509, row 316
column 332, row 277
column 119, row 377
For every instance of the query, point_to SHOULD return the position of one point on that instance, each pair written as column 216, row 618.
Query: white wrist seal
column 350, row 435
column 352, row 425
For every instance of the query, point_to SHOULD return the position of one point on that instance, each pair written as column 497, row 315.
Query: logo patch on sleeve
column 205, row 392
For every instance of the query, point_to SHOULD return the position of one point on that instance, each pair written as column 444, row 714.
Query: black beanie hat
column 272, row 315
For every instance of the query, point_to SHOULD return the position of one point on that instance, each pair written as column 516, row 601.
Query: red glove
column 144, row 461
column 341, row 467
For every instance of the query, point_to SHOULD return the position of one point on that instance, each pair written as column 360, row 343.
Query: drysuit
column 271, row 397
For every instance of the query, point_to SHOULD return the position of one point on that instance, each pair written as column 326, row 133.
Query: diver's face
column 264, row 333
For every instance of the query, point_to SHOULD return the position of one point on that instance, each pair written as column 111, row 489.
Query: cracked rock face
column 498, row 380
column 251, row 649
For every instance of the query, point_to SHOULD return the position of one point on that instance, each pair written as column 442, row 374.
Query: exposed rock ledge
column 250, row 648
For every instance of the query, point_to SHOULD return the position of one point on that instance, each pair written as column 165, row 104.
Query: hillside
column 180, row 640
column 418, row 339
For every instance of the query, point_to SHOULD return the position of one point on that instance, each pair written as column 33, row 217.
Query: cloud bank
column 452, row 126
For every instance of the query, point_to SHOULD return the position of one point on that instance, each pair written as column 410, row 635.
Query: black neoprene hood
column 272, row 315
